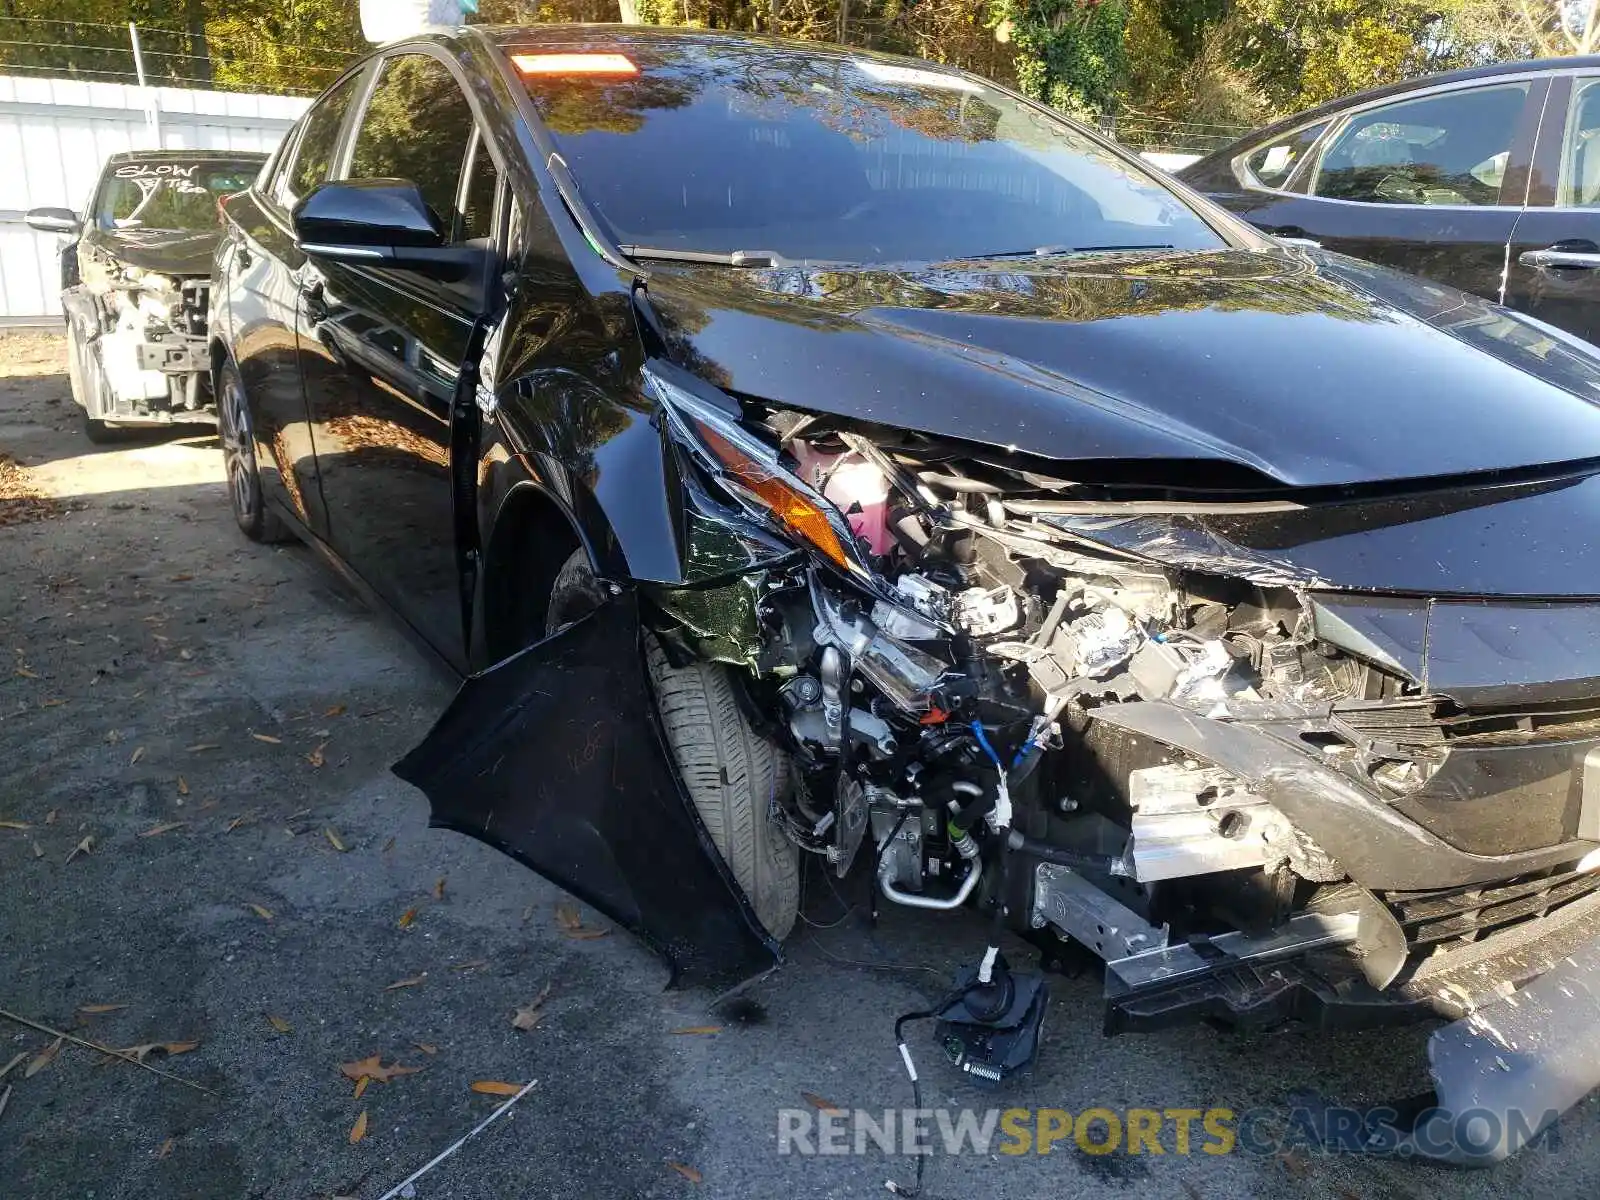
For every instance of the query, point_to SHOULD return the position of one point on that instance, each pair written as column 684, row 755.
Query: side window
column 417, row 126
column 476, row 219
column 319, row 138
column 1272, row 164
column 1580, row 158
column 1448, row 149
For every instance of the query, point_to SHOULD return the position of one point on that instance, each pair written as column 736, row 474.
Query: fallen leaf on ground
column 688, row 1173
column 50, row 817
column 359, row 1129
column 199, row 746
column 43, row 1059
column 38, row 850
column 527, row 914
column 52, row 702
column 698, row 1029
column 471, row 966
column 279, row 1024
column 166, row 1149
column 15, row 825
column 387, row 846
column 333, row 840
column 244, row 819
column 492, row 1087
column 5, row 1099
column 568, row 916
column 818, row 1103
column 373, row 1068
column 1295, row 1163
column 438, row 888
column 315, row 757
column 84, row 847
column 26, row 674
column 184, row 578
column 336, row 710
column 406, row 983
column 587, row 935
column 140, row 1053
column 361, row 1087
column 427, row 1047
column 261, row 911
column 158, row 830
column 12, row 1065
column 137, row 755
column 98, row 1010
column 268, row 738
column 407, row 917
column 530, row 1014
column 183, row 786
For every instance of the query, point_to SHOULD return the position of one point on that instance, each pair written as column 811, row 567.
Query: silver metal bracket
column 1066, row 900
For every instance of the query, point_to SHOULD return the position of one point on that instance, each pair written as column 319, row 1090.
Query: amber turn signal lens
column 574, row 64
column 792, row 509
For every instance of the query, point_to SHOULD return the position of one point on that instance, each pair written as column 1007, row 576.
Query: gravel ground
column 196, row 734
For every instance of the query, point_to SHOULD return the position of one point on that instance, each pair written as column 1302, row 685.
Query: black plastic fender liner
column 1505, row 1073
column 1379, row 848
column 555, row 757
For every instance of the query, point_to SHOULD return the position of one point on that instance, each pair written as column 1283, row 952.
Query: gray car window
column 314, row 155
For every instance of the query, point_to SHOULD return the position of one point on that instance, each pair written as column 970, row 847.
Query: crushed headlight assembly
column 750, row 472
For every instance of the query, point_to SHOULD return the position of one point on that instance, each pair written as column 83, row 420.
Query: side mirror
column 53, row 220
column 379, row 222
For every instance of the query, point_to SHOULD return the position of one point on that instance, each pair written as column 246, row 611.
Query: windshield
column 170, row 195
column 719, row 146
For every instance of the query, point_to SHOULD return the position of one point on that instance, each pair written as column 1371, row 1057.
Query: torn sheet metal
column 554, row 757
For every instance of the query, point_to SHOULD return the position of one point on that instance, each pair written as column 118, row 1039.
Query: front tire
column 733, row 775
column 258, row 522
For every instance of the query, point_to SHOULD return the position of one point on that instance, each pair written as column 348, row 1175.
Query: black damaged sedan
column 838, row 455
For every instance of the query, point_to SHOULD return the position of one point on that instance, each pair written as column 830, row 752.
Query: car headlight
column 749, row 470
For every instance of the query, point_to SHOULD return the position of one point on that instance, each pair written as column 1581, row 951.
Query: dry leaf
column 820, row 1104
column 268, row 738
column 199, row 746
column 587, row 935
column 50, row 817
column 361, row 1087
column 688, row 1173
column 471, row 966
column 336, row 710
column 333, row 840
column 181, row 578
column 529, row 1015
column 315, row 757
column 527, row 914
column 53, row 702
column 491, row 1087
column 183, row 786
column 15, row 825
column 12, row 1065
column 407, row 917
column 84, row 847
column 438, row 888
column 568, row 916
column 425, row 1047
column 38, row 850
column 99, row 1010
column 698, row 1029
column 26, row 674
column 43, row 1059
column 140, row 1053
column 406, row 983
column 158, row 830
column 245, row 819
column 166, row 1149
column 387, row 846
column 264, row 913
column 279, row 1024
column 137, row 755
column 373, row 1068
column 359, row 1129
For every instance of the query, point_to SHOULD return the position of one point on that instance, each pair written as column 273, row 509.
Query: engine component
column 991, row 1030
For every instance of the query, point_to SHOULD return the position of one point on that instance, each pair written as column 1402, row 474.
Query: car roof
column 123, row 156
column 1306, row 116
column 609, row 37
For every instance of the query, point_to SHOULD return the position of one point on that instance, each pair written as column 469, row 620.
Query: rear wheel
column 733, row 775
column 259, row 523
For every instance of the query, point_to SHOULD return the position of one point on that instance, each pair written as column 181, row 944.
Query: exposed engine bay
column 152, row 340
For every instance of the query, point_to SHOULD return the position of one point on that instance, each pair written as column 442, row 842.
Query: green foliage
column 1069, row 53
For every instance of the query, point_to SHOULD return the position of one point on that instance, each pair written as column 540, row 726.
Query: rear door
column 1554, row 273
column 1431, row 182
column 382, row 348
column 261, row 269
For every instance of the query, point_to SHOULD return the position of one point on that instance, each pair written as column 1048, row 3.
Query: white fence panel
column 55, row 134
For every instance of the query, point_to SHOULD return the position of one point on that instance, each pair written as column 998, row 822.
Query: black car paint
column 1060, row 360
column 1477, row 249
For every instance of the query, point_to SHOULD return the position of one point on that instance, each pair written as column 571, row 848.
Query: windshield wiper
column 736, row 258
column 1051, row 251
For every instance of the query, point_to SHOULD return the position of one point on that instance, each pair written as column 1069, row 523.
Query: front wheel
column 256, row 520
column 734, row 776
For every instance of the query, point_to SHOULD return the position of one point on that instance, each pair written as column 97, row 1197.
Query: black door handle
column 316, row 299
column 243, row 258
column 1580, row 254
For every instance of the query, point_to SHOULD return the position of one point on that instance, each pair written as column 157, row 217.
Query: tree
column 1069, row 53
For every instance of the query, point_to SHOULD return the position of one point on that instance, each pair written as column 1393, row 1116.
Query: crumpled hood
column 1312, row 369
column 177, row 252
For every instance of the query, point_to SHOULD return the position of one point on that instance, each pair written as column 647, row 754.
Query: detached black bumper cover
column 555, row 757
column 1505, row 1073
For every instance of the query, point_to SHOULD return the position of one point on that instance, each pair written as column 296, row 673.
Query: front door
column 381, row 350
